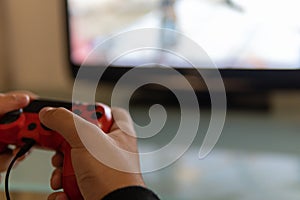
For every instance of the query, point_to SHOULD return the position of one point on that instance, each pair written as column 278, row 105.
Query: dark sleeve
column 132, row 193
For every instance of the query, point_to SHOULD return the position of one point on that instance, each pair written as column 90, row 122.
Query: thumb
column 62, row 121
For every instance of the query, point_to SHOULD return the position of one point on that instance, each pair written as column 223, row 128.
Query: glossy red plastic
column 28, row 125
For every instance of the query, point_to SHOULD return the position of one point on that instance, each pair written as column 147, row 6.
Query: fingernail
column 22, row 98
column 45, row 109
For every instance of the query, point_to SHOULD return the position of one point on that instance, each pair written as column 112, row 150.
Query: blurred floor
column 224, row 174
column 257, row 157
column 227, row 174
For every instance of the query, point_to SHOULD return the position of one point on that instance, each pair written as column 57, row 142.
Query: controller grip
column 70, row 185
column 3, row 147
column 71, row 188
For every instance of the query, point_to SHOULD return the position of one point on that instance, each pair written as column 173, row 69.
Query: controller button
column 91, row 107
column 45, row 127
column 32, row 126
column 77, row 112
column 11, row 116
column 97, row 115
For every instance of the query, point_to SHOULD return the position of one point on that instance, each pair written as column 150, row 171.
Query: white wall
column 36, row 47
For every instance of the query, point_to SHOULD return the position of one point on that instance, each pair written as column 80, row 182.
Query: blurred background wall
column 2, row 72
column 33, row 52
column 33, row 57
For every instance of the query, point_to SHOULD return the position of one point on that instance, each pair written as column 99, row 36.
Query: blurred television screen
column 235, row 34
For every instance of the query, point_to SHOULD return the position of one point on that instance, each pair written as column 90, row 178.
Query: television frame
column 254, row 82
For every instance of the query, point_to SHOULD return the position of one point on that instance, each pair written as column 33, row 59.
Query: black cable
column 7, row 177
column 28, row 143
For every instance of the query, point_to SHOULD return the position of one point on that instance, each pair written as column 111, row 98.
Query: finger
column 25, row 92
column 63, row 121
column 122, row 121
column 58, row 196
column 7, row 156
column 10, row 102
column 56, row 179
column 57, row 159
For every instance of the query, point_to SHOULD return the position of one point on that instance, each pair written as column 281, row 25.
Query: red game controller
column 24, row 123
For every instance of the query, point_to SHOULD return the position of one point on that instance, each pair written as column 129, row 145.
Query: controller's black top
column 36, row 105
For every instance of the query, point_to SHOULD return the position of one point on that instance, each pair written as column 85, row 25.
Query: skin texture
column 95, row 179
column 9, row 102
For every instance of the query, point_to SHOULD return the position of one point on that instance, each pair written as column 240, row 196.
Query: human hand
column 8, row 102
column 94, row 178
